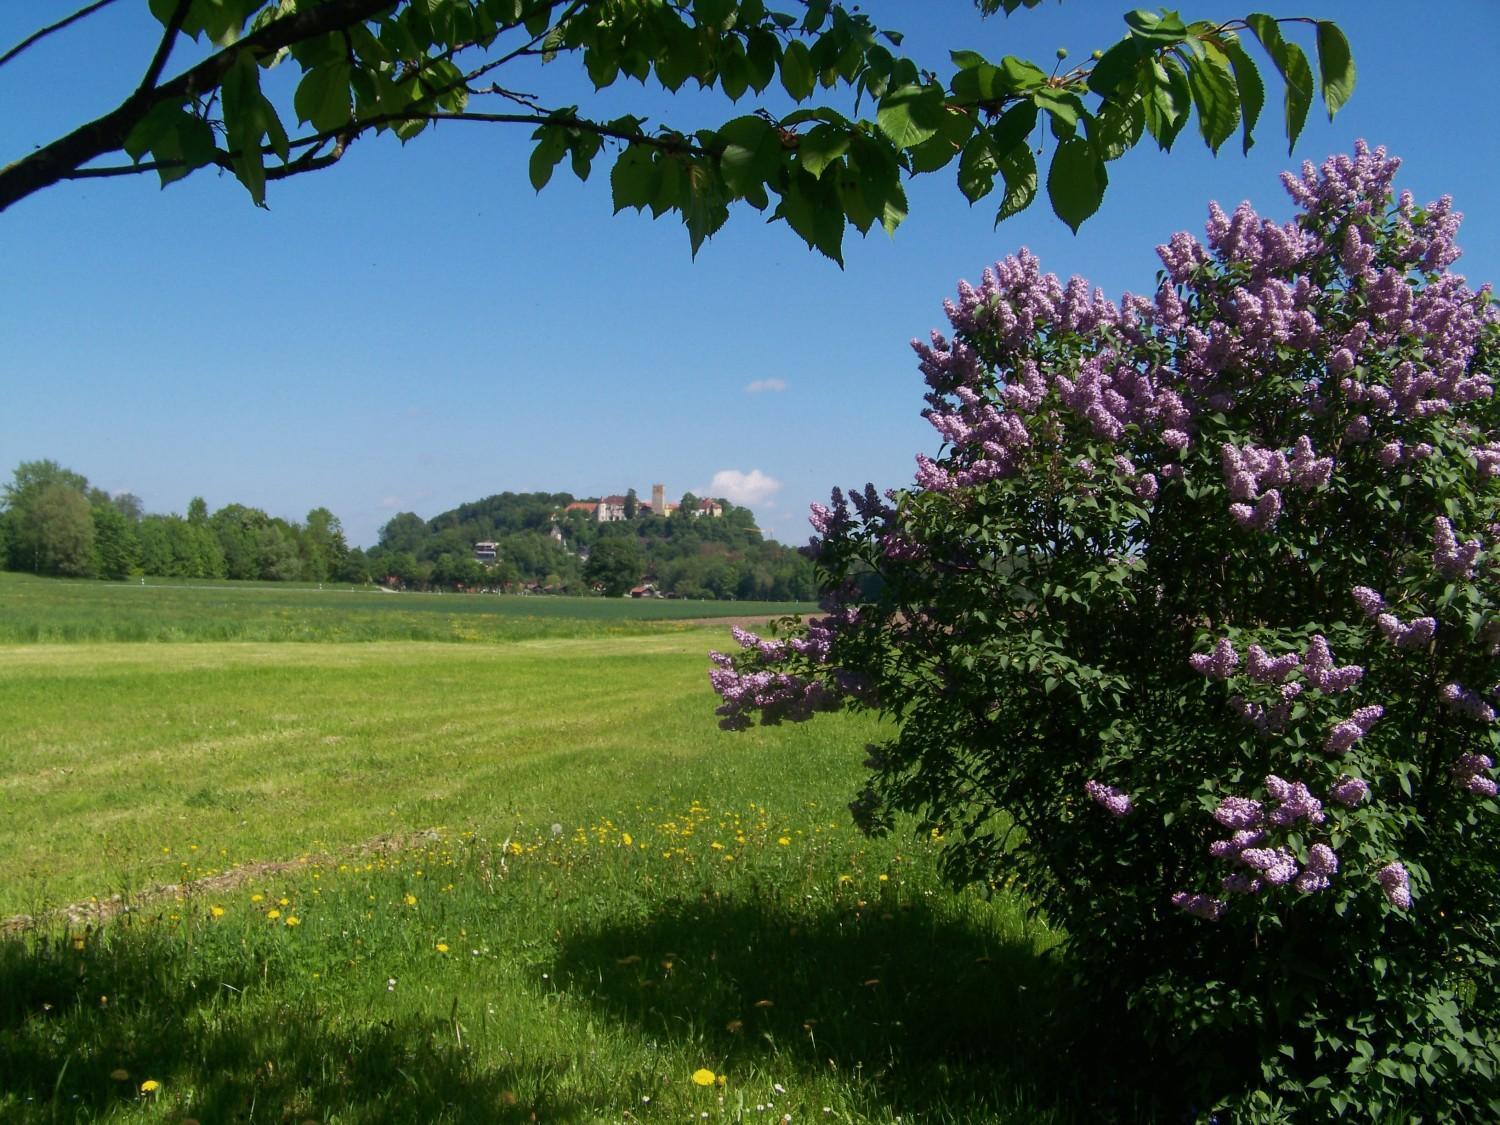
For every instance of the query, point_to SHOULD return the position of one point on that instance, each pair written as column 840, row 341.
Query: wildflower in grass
column 216, row 911
column 703, row 1076
column 284, row 902
column 625, row 839
column 257, row 898
column 273, row 914
column 293, row 920
column 150, row 1086
column 783, row 840
column 442, row 947
column 411, row 900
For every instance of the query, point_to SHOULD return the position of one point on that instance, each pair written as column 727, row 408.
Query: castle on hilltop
column 612, row 508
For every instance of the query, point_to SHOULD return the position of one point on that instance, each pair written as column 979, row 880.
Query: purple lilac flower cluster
column 1349, row 791
column 1107, row 797
column 1265, row 864
column 1200, row 906
column 774, row 696
column 1295, row 802
column 1468, row 703
column 1320, row 672
column 1346, row 733
column 1396, row 884
column 1406, row 634
column 1469, row 773
column 1448, row 557
column 1218, row 664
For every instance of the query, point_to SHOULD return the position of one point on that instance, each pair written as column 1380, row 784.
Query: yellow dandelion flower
column 783, row 840
column 150, row 1086
column 411, row 900
column 273, row 914
column 216, row 911
column 846, row 879
column 885, row 878
column 257, row 898
column 626, row 839
column 703, row 1076
column 442, row 947
column 293, row 920
column 284, row 902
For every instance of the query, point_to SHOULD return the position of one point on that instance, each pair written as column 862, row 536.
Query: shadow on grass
column 70, row 1019
column 932, row 1016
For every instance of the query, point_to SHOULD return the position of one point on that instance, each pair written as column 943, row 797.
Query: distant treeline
column 53, row 522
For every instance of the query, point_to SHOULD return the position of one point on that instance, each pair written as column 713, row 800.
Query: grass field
column 38, row 610
column 472, row 883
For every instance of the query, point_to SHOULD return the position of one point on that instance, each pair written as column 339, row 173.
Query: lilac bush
column 1189, row 632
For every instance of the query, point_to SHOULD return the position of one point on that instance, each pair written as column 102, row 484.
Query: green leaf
column 910, row 115
column 1013, row 127
column 1335, row 66
column 1168, row 102
column 751, row 153
column 173, row 136
column 1217, row 100
column 1118, row 128
column 552, row 145
column 820, row 147
column 248, row 117
column 1292, row 64
column 1115, row 67
column 1076, row 181
column 1021, row 75
column 1162, row 30
column 323, row 97
column 734, row 70
column 634, row 178
column 797, row 75
column 966, row 59
column 1019, row 169
column 813, row 211
column 977, row 168
column 1252, row 89
column 705, row 209
column 1064, row 107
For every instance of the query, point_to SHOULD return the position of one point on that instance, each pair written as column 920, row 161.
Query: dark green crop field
column 52, row 610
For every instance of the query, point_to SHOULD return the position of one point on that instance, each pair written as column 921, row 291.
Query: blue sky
column 416, row 327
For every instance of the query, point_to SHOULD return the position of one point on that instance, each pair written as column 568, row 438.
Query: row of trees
column 53, row 522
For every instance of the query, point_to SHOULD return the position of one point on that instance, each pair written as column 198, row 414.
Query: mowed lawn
column 127, row 765
column 472, row 883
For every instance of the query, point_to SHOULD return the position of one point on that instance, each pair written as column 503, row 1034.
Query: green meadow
column 41, row 610
column 411, row 881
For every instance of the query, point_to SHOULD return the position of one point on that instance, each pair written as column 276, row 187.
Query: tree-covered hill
column 552, row 541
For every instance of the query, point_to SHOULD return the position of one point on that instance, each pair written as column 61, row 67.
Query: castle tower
column 658, row 499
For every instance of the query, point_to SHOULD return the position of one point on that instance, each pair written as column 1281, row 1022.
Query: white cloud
column 390, row 503
column 759, row 386
column 748, row 489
